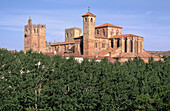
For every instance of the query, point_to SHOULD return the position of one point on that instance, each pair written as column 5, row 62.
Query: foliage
column 34, row 81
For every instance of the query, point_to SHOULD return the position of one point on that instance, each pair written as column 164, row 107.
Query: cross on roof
column 88, row 9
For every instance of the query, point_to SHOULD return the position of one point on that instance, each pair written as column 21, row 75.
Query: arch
column 85, row 19
column 67, row 35
column 104, row 32
column 91, row 19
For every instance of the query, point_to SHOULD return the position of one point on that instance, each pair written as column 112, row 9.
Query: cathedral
column 97, row 42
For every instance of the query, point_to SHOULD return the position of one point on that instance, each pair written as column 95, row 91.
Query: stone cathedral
column 97, row 42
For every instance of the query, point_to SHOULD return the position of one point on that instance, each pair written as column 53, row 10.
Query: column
column 115, row 43
column 138, row 45
column 123, row 45
column 109, row 45
column 133, row 45
column 128, row 45
column 142, row 45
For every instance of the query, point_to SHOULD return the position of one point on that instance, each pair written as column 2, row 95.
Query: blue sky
column 147, row 18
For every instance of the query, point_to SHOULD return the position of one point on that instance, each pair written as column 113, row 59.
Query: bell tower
column 88, row 33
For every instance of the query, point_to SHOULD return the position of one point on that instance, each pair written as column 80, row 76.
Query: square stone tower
column 71, row 33
column 88, row 34
column 35, row 37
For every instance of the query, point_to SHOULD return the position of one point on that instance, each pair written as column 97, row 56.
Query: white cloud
column 149, row 12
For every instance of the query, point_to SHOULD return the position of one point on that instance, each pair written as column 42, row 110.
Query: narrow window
column 103, row 32
column 117, row 32
column 91, row 19
column 103, row 45
column 67, row 35
column 96, row 45
column 85, row 19
column 111, row 33
column 97, row 31
column 27, row 42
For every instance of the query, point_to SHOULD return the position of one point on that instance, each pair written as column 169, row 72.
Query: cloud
column 149, row 12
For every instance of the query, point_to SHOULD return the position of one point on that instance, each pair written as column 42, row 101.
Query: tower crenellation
column 35, row 37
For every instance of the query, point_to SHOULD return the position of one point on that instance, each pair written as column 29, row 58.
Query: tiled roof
column 106, row 51
column 88, row 14
column 63, row 43
column 100, row 36
column 68, row 51
column 126, row 35
column 108, row 25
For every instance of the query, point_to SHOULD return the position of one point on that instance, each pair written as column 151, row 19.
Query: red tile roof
column 63, row 43
column 88, row 14
column 126, row 35
column 100, row 36
column 106, row 51
column 68, row 51
column 108, row 25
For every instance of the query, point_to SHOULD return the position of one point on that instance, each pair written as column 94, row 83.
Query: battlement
column 34, row 29
column 35, row 37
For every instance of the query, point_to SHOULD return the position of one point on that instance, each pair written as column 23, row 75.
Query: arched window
column 103, row 32
column 34, row 30
column 111, row 33
column 70, row 34
column 37, row 30
column 97, row 31
column 85, row 19
column 91, row 19
column 117, row 32
column 67, row 35
column 103, row 45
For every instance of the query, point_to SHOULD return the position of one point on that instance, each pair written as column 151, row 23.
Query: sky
column 147, row 18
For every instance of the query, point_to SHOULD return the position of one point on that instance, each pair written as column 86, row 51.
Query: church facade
column 97, row 42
